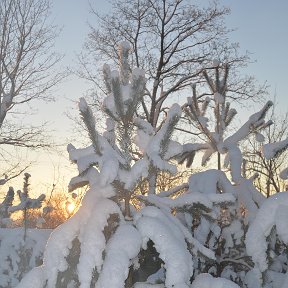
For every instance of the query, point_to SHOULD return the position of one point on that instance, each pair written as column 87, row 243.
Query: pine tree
column 107, row 234
column 222, row 226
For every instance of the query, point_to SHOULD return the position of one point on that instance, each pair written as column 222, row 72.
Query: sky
column 260, row 27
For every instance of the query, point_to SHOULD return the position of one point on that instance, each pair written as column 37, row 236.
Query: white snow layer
column 169, row 241
column 209, row 181
column 270, row 150
column 12, row 251
column 123, row 246
column 254, row 120
column 35, row 279
column 273, row 212
column 93, row 241
column 94, row 214
column 248, row 197
column 207, row 281
column 284, row 174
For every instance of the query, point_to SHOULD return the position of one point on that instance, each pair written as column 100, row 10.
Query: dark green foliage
column 148, row 263
column 70, row 274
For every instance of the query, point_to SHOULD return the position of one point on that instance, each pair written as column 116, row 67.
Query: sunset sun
column 70, row 207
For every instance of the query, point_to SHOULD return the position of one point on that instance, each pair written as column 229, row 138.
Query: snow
column 169, row 242
column 137, row 171
column 159, row 275
column 248, row 197
column 147, row 285
column 219, row 98
column 152, row 149
column 253, row 122
column 207, row 281
column 12, row 251
column 260, row 228
column 235, row 159
column 173, row 190
column 93, row 241
column 189, row 199
column 208, row 181
column 144, row 126
column 59, row 244
column 207, row 155
column 35, row 279
column 110, row 124
column 123, row 246
column 284, row 174
column 27, row 202
column 271, row 149
column 259, row 137
column 155, row 146
column 232, row 232
column 83, row 106
column 6, row 102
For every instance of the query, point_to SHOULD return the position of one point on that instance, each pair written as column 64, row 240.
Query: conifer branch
column 89, row 121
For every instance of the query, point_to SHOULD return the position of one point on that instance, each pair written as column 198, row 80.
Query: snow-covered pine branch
column 5, row 206
column 89, row 121
column 216, row 140
column 266, row 240
column 273, row 150
column 27, row 203
column 157, row 146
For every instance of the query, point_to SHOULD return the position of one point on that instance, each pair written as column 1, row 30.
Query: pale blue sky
column 261, row 28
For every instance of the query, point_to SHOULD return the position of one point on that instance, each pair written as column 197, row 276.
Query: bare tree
column 172, row 41
column 27, row 71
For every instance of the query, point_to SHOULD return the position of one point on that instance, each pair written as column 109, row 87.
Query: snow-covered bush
column 17, row 257
column 267, row 241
